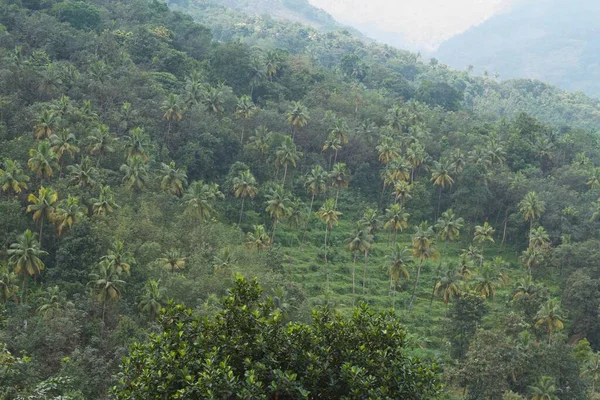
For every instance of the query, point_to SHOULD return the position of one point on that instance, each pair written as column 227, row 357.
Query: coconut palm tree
column 244, row 185
column 12, row 178
column 358, row 243
column 591, row 368
column 340, row 178
column 42, row 206
column 213, row 100
column 43, row 160
column 173, row 179
column 484, row 233
column 532, row 208
column 539, row 239
column 297, row 116
column 172, row 260
column 396, row 219
column 245, row 109
column 423, row 249
column 448, row 226
column 447, row 286
column 261, row 140
column 457, row 160
column 25, row 256
column 259, row 239
column 416, row 156
column 278, row 206
column 136, row 144
column 440, row 176
column 594, row 179
column 54, row 303
column 151, row 300
column 315, row 183
column 329, row 216
column 487, row 281
column 8, row 284
column 107, row 283
column 398, row 265
column 101, row 142
column 44, row 124
column 104, row 204
column 370, row 220
column 402, row 192
column 173, row 112
column 200, row 198
column 334, row 144
column 119, row 258
column 545, row 389
column 287, row 154
column 82, row 175
column 64, row 143
column 526, row 287
column 339, row 131
column 550, row 316
column 135, row 173
column 67, row 213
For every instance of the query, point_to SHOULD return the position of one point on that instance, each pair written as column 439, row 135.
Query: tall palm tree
column 173, row 180
column 539, row 239
column 104, row 203
column 151, row 300
column 44, row 124
column 398, row 264
column 42, row 206
column 416, row 156
column 101, row 142
column 173, row 112
column 447, row 286
column 136, row 144
column 272, row 63
column 315, row 183
column 423, row 249
column 334, row 144
column 339, row 131
column 12, row 178
column 396, row 219
column 82, row 175
column 457, row 160
column 532, row 208
column 261, row 140
column 213, row 100
column 244, row 185
column 287, row 154
column 487, row 281
column 245, row 109
column 358, row 243
column 591, row 368
column 550, row 315
column 594, row 179
column 330, row 216
column 172, row 260
column 449, row 226
column 120, row 258
column 440, row 176
column 43, row 160
column 107, row 283
column 484, row 233
column 54, row 304
column 67, row 213
column 370, row 220
column 388, row 150
column 135, row 173
column 402, row 192
column 395, row 117
column 63, row 143
column 526, row 287
column 8, row 284
column 258, row 73
column 278, row 206
column 25, row 256
column 297, row 116
column 340, row 178
column 258, row 239
column 200, row 199
column 544, row 389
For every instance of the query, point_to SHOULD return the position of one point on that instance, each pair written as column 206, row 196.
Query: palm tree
column 358, row 243
column 222, row 262
column 106, row 281
column 539, row 239
column 272, row 64
column 287, row 154
column 339, row 131
column 396, row 220
column 258, row 239
column 257, row 73
column 545, row 389
column 532, row 208
column 82, row 175
column 402, row 191
column 332, row 143
column 447, row 286
column 594, row 179
column 440, row 176
column 213, row 101
column 101, row 142
column 172, row 260
column 486, row 282
column 105, row 203
column 200, row 199
column 370, row 220
column 530, row 258
column 244, row 185
column 119, row 258
column 297, row 116
column 550, row 315
column 398, row 264
column 12, row 178
column 423, row 248
column 278, row 206
column 416, row 156
column 150, row 302
column 591, row 368
column 329, row 215
column 135, row 173
column 526, row 287
column 388, row 150
column 174, row 179
column 68, row 213
column 136, row 143
column 457, row 161
column 45, row 124
column 261, row 140
column 173, row 111
column 54, row 304
column 43, row 160
column 8, row 284
column 449, row 226
column 42, row 206
column 395, row 117
column 340, row 178
column 465, row 266
column 25, row 256
column 484, row 233
column 245, row 109
column 64, row 143
column 315, row 183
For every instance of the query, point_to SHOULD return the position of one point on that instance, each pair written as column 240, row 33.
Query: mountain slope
column 551, row 40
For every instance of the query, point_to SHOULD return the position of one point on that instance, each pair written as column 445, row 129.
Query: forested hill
column 556, row 41
column 147, row 159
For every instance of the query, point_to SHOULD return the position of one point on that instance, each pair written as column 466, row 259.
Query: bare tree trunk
column 412, row 299
column 354, row 280
column 365, row 272
column 241, row 211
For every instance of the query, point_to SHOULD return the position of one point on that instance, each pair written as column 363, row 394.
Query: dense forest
column 188, row 193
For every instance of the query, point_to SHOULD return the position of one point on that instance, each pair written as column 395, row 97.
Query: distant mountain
column 556, row 41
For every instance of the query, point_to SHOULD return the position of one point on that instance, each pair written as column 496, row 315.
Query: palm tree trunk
column 41, row 231
column 412, row 299
column 354, row 280
column 335, row 158
column 242, row 138
column 439, row 202
column 24, row 286
column 103, row 311
column 312, row 200
column 337, row 194
column 365, row 272
column 284, row 173
column 326, row 264
column 273, row 234
column 241, row 211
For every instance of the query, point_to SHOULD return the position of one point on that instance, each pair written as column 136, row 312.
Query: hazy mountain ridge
column 555, row 41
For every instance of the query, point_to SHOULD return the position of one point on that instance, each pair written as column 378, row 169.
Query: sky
column 416, row 24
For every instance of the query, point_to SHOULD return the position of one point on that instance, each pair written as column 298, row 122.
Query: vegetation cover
column 143, row 161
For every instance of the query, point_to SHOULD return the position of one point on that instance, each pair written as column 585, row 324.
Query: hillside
column 395, row 212
column 554, row 41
